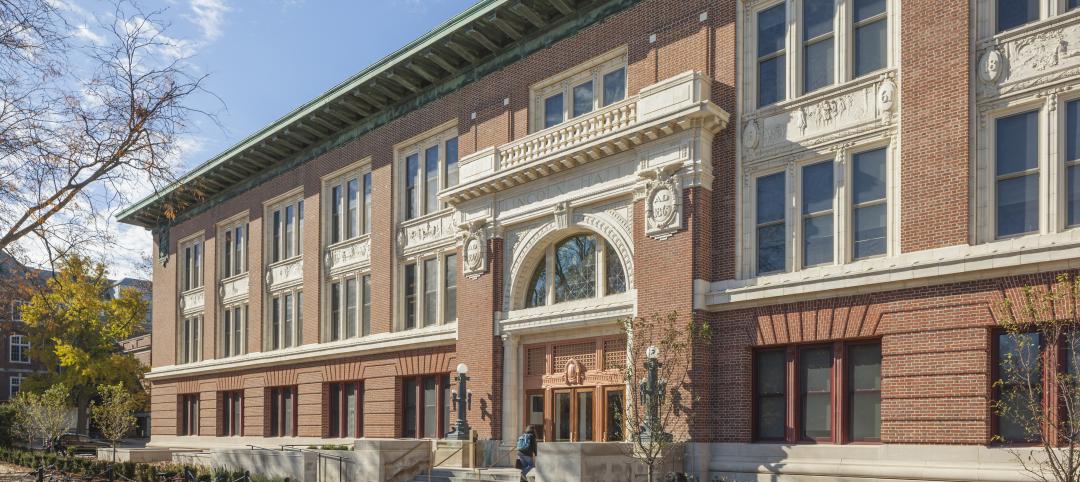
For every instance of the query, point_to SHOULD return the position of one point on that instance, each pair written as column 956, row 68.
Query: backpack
column 524, row 442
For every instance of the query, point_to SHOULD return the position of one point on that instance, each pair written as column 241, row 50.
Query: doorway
column 574, row 416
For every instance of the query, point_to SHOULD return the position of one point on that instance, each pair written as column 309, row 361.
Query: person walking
column 526, row 448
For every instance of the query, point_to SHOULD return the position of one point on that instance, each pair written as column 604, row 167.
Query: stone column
column 512, row 375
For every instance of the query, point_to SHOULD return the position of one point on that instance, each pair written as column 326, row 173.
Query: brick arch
column 532, row 248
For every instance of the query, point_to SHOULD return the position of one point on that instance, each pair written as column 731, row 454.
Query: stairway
column 452, row 474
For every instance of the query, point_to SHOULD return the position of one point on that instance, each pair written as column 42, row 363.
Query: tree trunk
column 82, row 422
column 650, row 473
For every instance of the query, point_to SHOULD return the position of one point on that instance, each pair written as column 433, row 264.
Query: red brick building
column 843, row 189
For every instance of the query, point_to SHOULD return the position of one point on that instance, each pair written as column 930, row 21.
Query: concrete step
column 449, row 474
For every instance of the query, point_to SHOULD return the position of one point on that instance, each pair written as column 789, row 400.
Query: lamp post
column 652, row 396
column 461, row 430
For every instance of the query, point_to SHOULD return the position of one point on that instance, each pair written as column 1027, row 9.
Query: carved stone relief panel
column 474, row 249
column 356, row 254
column 235, row 288
column 1029, row 58
column 281, row 275
column 419, row 234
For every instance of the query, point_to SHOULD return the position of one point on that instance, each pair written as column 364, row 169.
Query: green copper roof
column 483, row 38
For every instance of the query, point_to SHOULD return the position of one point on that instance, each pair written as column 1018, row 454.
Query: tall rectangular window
column 189, row 345
column 1018, row 359
column 431, row 179
column 365, row 306
column 19, row 349
column 1016, row 155
column 817, row 213
column 818, row 47
column 425, row 406
column 583, row 99
column 869, row 210
column 233, row 320
column 336, row 219
column 871, row 36
column 353, row 194
column 614, row 86
column 770, row 389
column 281, row 417
column 553, row 110
column 450, row 288
column 285, row 321
column 771, row 32
column 231, row 410
column 350, row 307
column 771, row 238
column 275, row 323
column 412, row 177
column 431, row 291
column 410, row 395
column 431, row 407
column 367, row 203
column 14, row 384
column 191, row 270
column 1014, row 13
column 188, row 414
column 287, row 230
column 287, row 316
column 815, row 393
column 450, row 175
column 234, row 260
column 864, row 392
column 335, row 311
column 1072, row 162
column 345, row 410
column 410, row 296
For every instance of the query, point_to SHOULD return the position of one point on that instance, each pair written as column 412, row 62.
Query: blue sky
column 263, row 59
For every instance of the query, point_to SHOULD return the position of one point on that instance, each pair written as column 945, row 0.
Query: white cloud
column 84, row 32
column 209, row 16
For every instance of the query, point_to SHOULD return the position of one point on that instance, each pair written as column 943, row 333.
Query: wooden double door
column 586, row 414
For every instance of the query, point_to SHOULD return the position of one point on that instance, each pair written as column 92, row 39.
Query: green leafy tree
column 75, row 326
column 114, row 413
column 41, row 416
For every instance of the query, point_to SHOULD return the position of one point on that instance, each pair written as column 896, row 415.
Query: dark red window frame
column 337, row 419
column 279, row 410
column 231, row 413
column 189, row 414
column 442, row 385
column 840, row 422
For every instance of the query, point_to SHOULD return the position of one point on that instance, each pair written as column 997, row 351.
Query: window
column 864, row 392
column 1018, row 358
column 191, row 267
column 868, row 205
column 817, row 16
column 233, row 330
column 19, row 349
column 285, row 319
column 430, row 291
column 231, row 411
column 817, row 213
column 350, row 307
column 598, row 84
column 234, row 250
column 1014, row 13
column 16, row 310
column 286, row 230
column 770, row 390
column 430, row 166
column 817, row 381
column 771, row 229
column 14, row 383
column 1016, row 160
column 1072, row 162
column 870, row 36
column 345, row 401
column 832, row 41
column 349, row 205
column 281, row 416
column 189, row 344
column 584, row 266
column 188, row 414
column 771, row 32
column 425, row 406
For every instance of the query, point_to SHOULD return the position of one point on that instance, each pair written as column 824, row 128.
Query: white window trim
column 298, row 329
column 24, row 346
column 194, row 346
column 564, row 82
column 341, row 177
column 440, row 296
column 325, row 331
column 182, row 274
column 417, row 145
column 14, row 384
column 294, row 197
column 842, row 211
column 231, row 224
column 988, row 19
column 549, row 268
column 986, row 209
column 843, row 49
column 16, row 310
column 244, row 310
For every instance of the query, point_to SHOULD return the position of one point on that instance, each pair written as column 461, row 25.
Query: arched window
column 581, row 266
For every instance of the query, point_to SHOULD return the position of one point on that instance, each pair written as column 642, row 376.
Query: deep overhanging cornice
column 484, row 38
